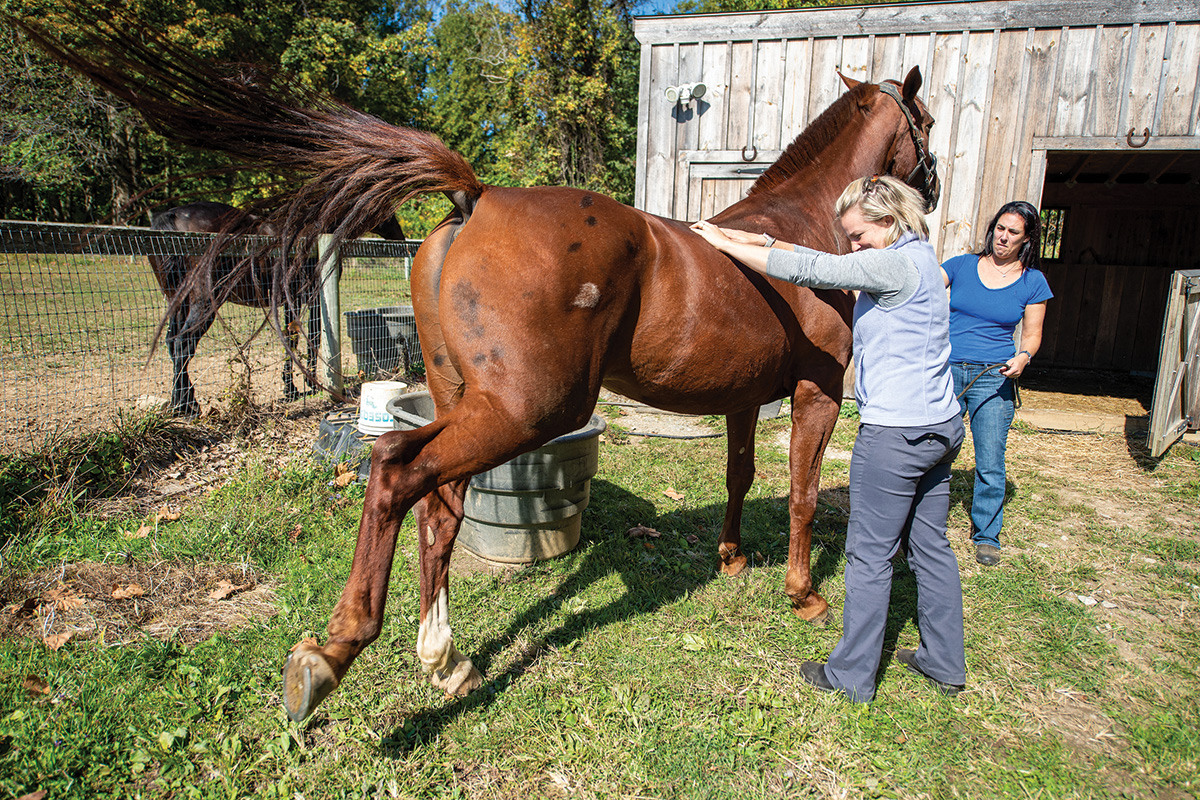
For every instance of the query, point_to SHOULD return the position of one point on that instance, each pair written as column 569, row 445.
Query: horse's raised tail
column 343, row 172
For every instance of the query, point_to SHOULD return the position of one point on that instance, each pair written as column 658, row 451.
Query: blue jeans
column 989, row 405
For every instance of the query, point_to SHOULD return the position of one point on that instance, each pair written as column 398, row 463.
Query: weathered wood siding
column 1006, row 81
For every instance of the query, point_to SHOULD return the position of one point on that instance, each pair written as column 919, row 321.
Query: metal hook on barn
column 1145, row 137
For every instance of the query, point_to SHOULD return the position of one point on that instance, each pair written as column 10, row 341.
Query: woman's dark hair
column 1031, row 250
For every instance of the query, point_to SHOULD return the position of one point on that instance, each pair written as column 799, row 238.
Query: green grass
column 628, row 668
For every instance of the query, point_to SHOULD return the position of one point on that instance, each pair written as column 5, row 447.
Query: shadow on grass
column 649, row 581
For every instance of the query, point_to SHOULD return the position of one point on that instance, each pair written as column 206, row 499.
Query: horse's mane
column 804, row 150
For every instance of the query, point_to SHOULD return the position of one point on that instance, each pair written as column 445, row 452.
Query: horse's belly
column 715, row 370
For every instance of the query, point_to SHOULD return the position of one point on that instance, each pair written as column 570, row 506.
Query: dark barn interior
column 1128, row 219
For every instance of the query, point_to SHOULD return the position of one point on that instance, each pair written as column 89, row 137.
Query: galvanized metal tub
column 529, row 508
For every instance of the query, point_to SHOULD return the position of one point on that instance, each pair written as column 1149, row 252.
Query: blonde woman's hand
column 720, row 238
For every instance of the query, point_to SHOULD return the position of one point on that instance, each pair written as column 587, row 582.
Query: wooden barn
column 1086, row 108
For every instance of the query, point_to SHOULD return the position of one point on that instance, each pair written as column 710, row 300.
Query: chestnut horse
column 192, row 304
column 529, row 300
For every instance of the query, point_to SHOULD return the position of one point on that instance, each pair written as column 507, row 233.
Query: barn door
column 716, row 179
column 1176, row 406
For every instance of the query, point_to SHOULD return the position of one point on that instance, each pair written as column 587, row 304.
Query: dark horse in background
column 529, row 300
column 192, row 304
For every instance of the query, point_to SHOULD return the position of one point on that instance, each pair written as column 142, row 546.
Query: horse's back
column 568, row 282
column 199, row 217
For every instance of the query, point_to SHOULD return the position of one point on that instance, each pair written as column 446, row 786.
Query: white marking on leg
column 430, row 536
column 434, row 637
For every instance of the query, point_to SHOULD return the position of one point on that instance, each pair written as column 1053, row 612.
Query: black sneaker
column 987, row 554
column 909, row 659
column 813, row 673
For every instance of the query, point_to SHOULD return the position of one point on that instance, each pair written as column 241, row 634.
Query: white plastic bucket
column 373, row 416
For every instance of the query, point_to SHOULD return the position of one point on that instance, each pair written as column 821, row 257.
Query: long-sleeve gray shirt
column 889, row 275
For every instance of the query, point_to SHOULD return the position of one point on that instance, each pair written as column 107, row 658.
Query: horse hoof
column 819, row 620
column 734, row 566
column 461, row 681
column 307, row 680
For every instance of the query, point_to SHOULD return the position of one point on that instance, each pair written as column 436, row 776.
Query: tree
column 67, row 153
column 573, row 96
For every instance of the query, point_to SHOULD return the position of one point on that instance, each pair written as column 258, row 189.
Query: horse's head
column 909, row 156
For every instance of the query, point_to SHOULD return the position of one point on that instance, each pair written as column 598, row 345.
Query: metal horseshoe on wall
column 1145, row 137
column 753, row 155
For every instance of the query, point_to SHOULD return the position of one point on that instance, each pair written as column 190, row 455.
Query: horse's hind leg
column 439, row 516
column 739, row 475
column 814, row 413
column 314, row 343
column 293, row 347
column 406, row 466
column 189, row 322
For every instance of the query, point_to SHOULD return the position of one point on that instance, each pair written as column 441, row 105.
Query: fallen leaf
column 141, row 533
column 674, row 495
column 295, row 532
column 35, row 685
column 641, row 531
column 692, row 538
column 225, row 589
column 25, row 609
column 65, row 599
column 38, row 795
column 341, row 468
column 167, row 513
column 345, row 479
column 57, row 640
column 132, row 590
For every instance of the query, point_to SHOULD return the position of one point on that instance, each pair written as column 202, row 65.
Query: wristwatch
column 1027, row 354
column 768, row 240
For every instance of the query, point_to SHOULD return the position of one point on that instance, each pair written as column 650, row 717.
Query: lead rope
column 984, row 371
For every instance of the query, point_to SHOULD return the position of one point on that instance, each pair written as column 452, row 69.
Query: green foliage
column 70, row 153
column 574, row 98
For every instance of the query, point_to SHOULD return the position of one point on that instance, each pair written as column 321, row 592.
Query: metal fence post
column 330, row 262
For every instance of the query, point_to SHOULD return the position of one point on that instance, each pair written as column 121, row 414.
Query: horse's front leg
column 739, row 475
column 439, row 516
column 814, row 413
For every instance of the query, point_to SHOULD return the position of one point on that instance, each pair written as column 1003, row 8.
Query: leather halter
column 926, row 160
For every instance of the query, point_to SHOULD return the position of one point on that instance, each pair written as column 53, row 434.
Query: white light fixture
column 685, row 93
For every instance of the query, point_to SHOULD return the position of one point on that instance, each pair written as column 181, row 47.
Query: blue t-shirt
column 982, row 320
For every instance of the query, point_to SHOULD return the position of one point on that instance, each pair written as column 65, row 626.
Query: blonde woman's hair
column 883, row 196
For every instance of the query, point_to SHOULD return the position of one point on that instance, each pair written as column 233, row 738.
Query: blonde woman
column 910, row 433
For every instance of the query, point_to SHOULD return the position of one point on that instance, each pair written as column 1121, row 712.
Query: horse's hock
column 525, row 510
column 529, row 508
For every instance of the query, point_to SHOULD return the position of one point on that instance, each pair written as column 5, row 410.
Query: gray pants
column 900, row 483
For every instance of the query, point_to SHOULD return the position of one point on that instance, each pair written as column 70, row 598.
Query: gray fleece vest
column 901, row 354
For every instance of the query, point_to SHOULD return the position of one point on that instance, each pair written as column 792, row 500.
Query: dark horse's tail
column 343, row 172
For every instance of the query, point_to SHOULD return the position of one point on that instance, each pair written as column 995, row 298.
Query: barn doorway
column 1119, row 223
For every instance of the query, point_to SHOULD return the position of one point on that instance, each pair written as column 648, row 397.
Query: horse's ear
column 912, row 84
column 850, row 82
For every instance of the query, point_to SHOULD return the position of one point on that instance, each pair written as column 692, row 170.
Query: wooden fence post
column 330, row 267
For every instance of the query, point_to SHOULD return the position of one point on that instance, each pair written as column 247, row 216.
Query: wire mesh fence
column 80, row 309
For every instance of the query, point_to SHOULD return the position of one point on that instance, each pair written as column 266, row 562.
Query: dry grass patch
column 121, row 604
